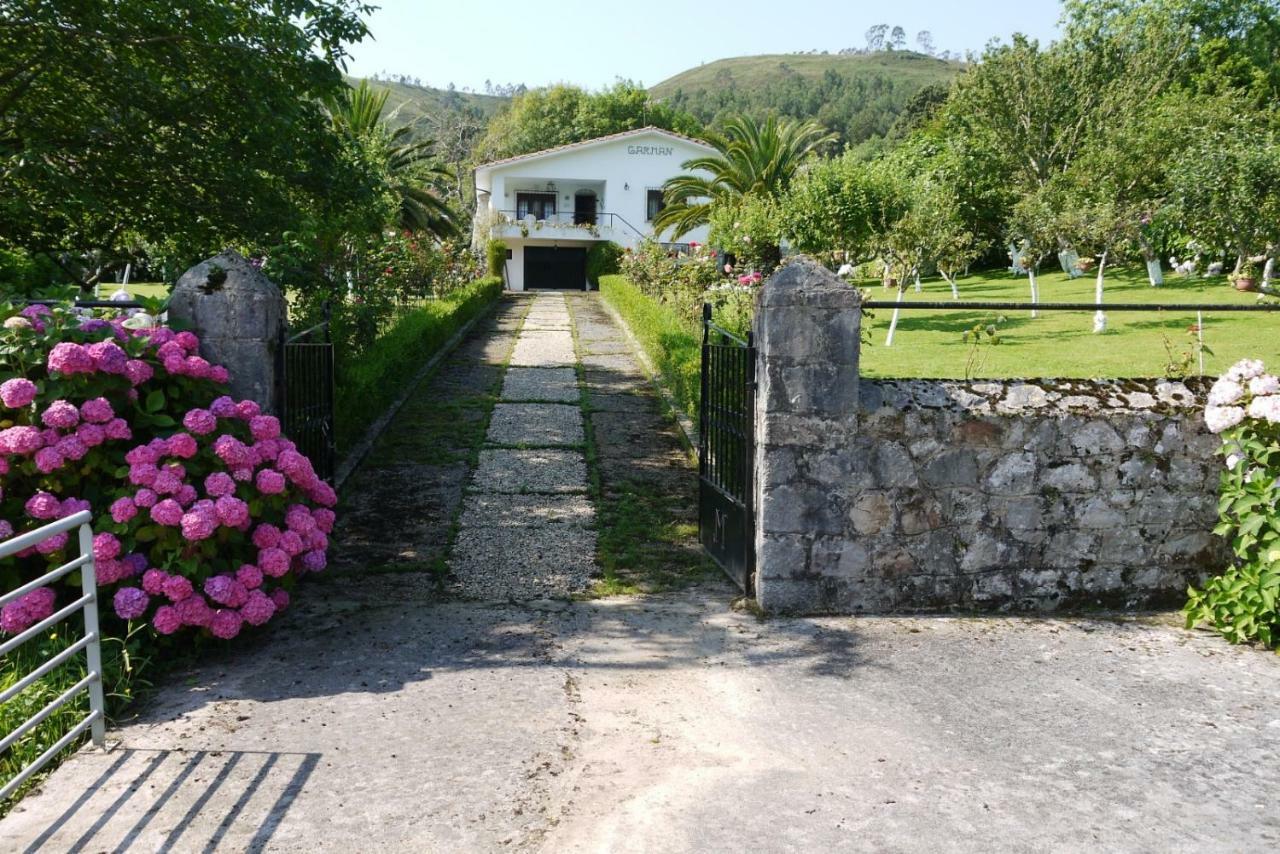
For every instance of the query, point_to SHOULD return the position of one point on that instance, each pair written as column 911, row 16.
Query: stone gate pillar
column 240, row 316
column 807, row 332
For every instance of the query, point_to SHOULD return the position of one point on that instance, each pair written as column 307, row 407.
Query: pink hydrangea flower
column 21, row 440
column 195, row 367
column 273, row 561
column 325, row 519
column 280, row 597
column 316, row 540
column 177, row 588
column 27, row 610
column 219, row 374
column 72, row 448
column 91, row 434
column 167, row 512
column 130, row 603
column 219, row 484
column 43, row 505
column 153, row 581
column 264, row 427
column 166, row 620
column 323, row 494
column 97, row 411
column 138, row 371
column 250, row 576
column 266, row 536
column 194, row 611
column 270, row 482
column 186, row 495
column 143, row 474
column 198, row 524
column 187, row 341
column 166, row 482
column 109, row 571
column 105, row 546
column 142, row 455
column 145, row 498
column 60, row 414
column 248, row 410
column 225, row 624
column 202, row 422
column 232, row 512
column 72, row 506
column 6, row 529
column 108, row 357
column 48, row 460
column 258, row 608
column 298, row 518
column 53, row 545
column 122, row 510
column 118, row 428
column 17, row 392
column 68, row 358
column 314, row 561
column 134, row 564
column 182, row 445
column 224, row 407
column 292, row 544
column 231, row 450
column 244, row 474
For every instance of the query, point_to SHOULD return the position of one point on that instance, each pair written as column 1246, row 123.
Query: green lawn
column 1062, row 344
column 138, row 289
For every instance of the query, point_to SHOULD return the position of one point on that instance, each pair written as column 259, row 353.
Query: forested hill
column 856, row 95
column 413, row 102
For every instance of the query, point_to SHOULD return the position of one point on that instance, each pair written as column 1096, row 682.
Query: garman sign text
column 651, row 150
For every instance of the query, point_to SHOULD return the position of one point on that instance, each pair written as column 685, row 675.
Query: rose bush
column 1242, row 603
column 204, row 513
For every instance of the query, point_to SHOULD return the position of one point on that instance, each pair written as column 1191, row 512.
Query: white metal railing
column 95, row 722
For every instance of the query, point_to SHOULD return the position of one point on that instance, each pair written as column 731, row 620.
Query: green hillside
column 414, row 102
column 856, row 95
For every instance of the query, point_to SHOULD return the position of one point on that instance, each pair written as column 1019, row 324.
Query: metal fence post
column 93, row 652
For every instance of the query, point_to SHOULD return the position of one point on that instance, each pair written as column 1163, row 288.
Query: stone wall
column 930, row 494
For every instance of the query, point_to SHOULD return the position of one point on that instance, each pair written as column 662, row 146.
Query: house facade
column 549, row 207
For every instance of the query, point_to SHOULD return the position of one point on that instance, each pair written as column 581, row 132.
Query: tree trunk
column 893, row 323
column 1035, row 289
column 1099, row 317
column 1154, row 274
column 951, row 280
column 1268, row 270
column 916, row 273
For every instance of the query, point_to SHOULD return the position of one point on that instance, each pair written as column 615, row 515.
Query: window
column 653, row 204
column 541, row 205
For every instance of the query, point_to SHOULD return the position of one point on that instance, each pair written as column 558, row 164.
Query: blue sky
column 537, row 42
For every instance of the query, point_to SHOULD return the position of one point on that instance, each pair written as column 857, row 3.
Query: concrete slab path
column 380, row 716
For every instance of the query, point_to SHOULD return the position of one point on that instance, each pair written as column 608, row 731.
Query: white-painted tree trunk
column 1155, row 275
column 893, row 323
column 951, row 280
column 1035, row 290
column 1268, row 270
column 916, row 273
column 1099, row 317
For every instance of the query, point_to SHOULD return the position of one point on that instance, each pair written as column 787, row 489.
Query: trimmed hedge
column 370, row 382
column 603, row 259
column 673, row 344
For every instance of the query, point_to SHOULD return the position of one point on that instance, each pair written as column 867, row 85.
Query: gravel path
column 526, row 530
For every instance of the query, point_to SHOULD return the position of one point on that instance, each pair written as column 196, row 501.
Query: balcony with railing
column 568, row 225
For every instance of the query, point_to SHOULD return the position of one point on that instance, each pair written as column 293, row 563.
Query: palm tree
column 751, row 158
column 413, row 172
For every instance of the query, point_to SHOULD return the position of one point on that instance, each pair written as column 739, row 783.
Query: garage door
column 554, row 267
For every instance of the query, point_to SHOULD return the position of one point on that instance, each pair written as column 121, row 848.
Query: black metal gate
column 726, row 450
column 306, row 395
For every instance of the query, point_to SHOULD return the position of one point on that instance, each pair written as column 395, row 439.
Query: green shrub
column 496, row 253
column 603, row 259
column 368, row 383
column 672, row 340
column 23, row 274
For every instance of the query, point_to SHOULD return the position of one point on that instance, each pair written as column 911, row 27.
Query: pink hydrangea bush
column 186, row 483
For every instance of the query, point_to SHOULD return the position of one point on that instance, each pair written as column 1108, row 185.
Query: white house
column 549, row 207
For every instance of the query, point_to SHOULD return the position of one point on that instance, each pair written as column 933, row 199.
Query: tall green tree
column 193, row 123
column 412, row 172
column 751, row 158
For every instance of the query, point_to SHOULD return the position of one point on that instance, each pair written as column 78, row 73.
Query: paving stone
column 543, row 349
column 627, row 402
column 535, row 424
column 523, row 562
column 523, row 471
column 487, row 510
column 557, row 384
column 616, row 363
column 613, row 382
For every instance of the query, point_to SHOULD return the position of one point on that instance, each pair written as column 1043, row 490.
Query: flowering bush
column 204, row 512
column 674, row 279
column 1241, row 603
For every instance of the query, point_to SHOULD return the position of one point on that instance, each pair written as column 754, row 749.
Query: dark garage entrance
column 555, row 267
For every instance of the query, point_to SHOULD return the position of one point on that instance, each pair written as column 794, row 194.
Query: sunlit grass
column 929, row 343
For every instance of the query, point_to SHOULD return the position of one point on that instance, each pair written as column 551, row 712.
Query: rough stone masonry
column 885, row 495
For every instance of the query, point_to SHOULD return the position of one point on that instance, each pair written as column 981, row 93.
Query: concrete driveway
column 677, row 724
